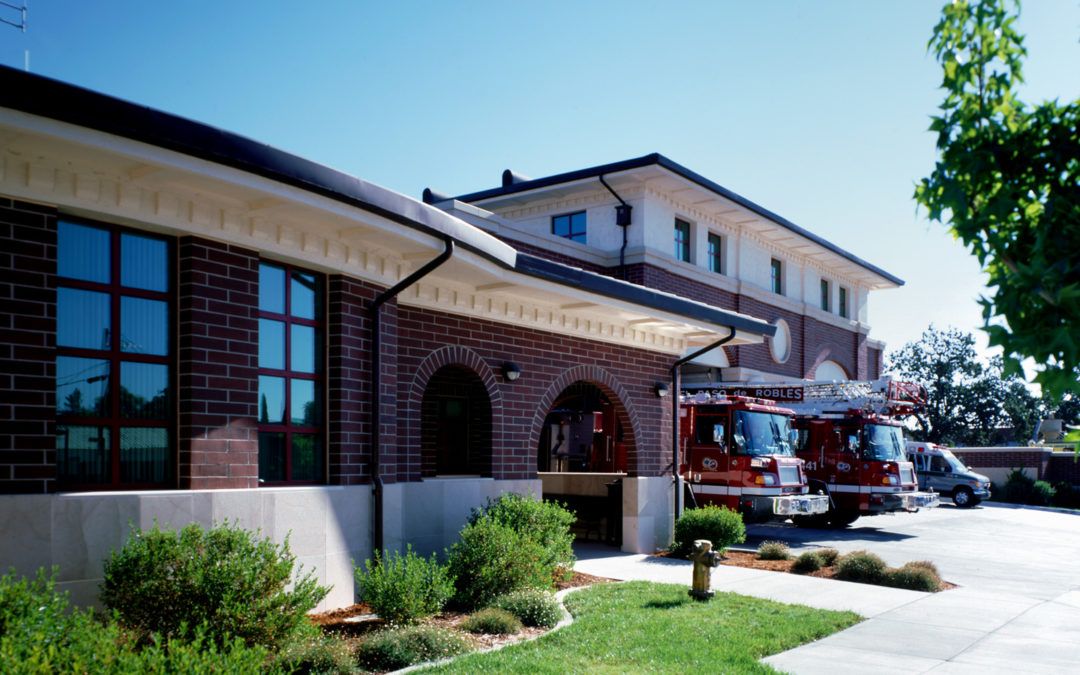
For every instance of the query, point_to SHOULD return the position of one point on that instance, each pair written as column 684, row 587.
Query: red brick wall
column 873, row 363
column 349, row 379
column 555, row 256
column 1063, row 468
column 825, row 341
column 1027, row 458
column 549, row 363
column 218, row 361
column 27, row 347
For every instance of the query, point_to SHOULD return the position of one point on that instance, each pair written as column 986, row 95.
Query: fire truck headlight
column 765, row 479
column 890, row 480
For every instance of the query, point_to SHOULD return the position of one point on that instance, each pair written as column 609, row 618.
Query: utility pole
column 9, row 10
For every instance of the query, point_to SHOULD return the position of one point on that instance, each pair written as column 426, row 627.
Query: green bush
column 861, row 566
column 773, row 550
column 532, row 606
column 1042, row 493
column 1065, row 496
column 492, row 621
column 403, row 589
column 722, row 526
column 810, row 561
column 401, row 647
column 1018, row 487
column 914, row 577
column 225, row 578
column 547, row 522
column 491, row 559
column 309, row 650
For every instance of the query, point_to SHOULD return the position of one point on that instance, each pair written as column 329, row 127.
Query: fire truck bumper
column 913, row 501
column 799, row 505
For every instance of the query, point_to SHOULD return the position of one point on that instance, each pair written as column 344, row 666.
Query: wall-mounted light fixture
column 511, row 371
column 662, row 389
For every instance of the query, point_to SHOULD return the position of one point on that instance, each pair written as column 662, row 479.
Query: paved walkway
column 963, row 630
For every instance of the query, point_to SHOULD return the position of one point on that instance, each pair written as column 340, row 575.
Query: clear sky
column 815, row 110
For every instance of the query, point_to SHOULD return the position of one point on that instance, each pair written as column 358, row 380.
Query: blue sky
column 816, row 110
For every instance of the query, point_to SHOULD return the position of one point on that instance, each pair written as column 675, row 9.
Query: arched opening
column 455, row 425
column 582, row 433
column 831, row 371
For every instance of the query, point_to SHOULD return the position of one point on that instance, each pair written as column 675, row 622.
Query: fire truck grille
column 907, row 475
column 789, row 475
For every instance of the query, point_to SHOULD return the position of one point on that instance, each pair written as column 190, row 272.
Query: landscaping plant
column 915, row 576
column 773, row 550
column 491, row 559
column 402, row 589
column 861, row 566
column 722, row 526
column 401, row 647
column 547, row 522
column 811, row 561
column 492, row 621
column 533, row 607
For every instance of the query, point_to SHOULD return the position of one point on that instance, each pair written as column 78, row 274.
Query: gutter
column 622, row 219
column 676, row 385
column 376, row 380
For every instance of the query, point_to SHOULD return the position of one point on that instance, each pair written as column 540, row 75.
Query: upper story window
column 114, row 358
column 716, row 253
column 826, row 295
column 569, row 226
column 843, row 302
column 290, row 375
column 682, row 240
column 777, row 278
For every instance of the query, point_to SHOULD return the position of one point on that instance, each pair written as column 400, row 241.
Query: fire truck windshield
column 759, row 433
column 884, row 443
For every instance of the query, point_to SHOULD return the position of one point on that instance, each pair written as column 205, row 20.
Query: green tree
column 1007, row 183
column 968, row 403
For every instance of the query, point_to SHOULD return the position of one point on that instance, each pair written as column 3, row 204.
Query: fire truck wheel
column 963, row 498
column 841, row 519
column 814, row 522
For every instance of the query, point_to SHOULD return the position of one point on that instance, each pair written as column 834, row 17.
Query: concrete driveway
column 1017, row 609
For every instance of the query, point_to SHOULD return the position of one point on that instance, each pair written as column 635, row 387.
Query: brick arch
column 410, row 417
column 606, row 382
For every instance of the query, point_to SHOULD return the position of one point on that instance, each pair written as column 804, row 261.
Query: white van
column 942, row 471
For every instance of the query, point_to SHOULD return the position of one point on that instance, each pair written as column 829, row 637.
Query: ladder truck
column 739, row 452
column 850, row 437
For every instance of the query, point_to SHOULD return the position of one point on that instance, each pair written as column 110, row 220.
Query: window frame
column 842, row 304
column 116, row 356
column 776, row 276
column 715, row 256
column 682, row 245
column 826, row 295
column 571, row 235
column 286, row 426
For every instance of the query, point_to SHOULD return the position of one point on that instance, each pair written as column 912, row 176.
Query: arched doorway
column 455, row 424
column 582, row 433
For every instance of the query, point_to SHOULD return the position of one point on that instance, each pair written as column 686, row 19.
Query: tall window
column 825, row 295
column 716, row 253
column 843, row 302
column 114, row 350
column 682, row 240
column 777, row 279
column 569, row 226
column 290, row 375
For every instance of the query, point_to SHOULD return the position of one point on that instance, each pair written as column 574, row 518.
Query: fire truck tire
column 963, row 497
column 841, row 519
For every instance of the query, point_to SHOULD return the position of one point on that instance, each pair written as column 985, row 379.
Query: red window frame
column 287, row 427
column 115, row 356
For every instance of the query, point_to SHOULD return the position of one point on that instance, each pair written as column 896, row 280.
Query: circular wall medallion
column 780, row 344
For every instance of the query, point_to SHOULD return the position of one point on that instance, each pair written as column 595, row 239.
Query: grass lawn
column 641, row 626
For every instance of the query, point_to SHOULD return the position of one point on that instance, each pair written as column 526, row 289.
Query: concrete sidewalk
column 958, row 631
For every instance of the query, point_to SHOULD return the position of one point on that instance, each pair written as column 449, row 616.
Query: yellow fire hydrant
column 704, row 560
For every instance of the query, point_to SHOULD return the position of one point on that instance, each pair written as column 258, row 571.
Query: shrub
column 404, row 588
column 861, row 566
column 773, row 550
column 492, row 621
column 1018, row 487
column 547, row 522
column 926, row 565
column 401, row 647
column 828, row 556
column 533, row 607
column 808, row 562
column 914, row 577
column 312, row 651
column 225, row 578
column 492, row 559
column 1066, row 496
column 1042, row 493
column 722, row 526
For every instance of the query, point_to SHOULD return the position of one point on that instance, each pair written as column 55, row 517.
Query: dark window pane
column 144, row 326
column 145, row 455
column 305, row 403
column 82, row 319
column 144, row 263
column 82, row 454
column 144, row 391
column 271, row 456
column 82, row 387
column 304, row 295
column 307, row 457
column 305, row 349
column 271, row 400
column 82, row 252
column 271, row 289
column 271, row 344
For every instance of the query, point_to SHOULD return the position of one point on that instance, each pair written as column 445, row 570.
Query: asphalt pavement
column 1016, row 608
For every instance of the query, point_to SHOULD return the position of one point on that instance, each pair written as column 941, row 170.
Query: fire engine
column 739, row 452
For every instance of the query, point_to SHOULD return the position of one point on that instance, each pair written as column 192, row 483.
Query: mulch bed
column 750, row 559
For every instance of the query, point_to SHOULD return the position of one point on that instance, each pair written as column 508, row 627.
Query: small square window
column 777, row 279
column 825, row 295
column 716, row 253
column 569, row 226
column 682, row 240
column 843, row 302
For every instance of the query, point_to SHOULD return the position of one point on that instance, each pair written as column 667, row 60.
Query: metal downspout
column 676, row 386
column 376, row 379
column 622, row 250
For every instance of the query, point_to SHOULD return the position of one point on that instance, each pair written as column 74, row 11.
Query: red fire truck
column 739, row 452
column 851, row 438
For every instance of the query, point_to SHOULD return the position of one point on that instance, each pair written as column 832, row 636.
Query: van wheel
column 963, row 497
